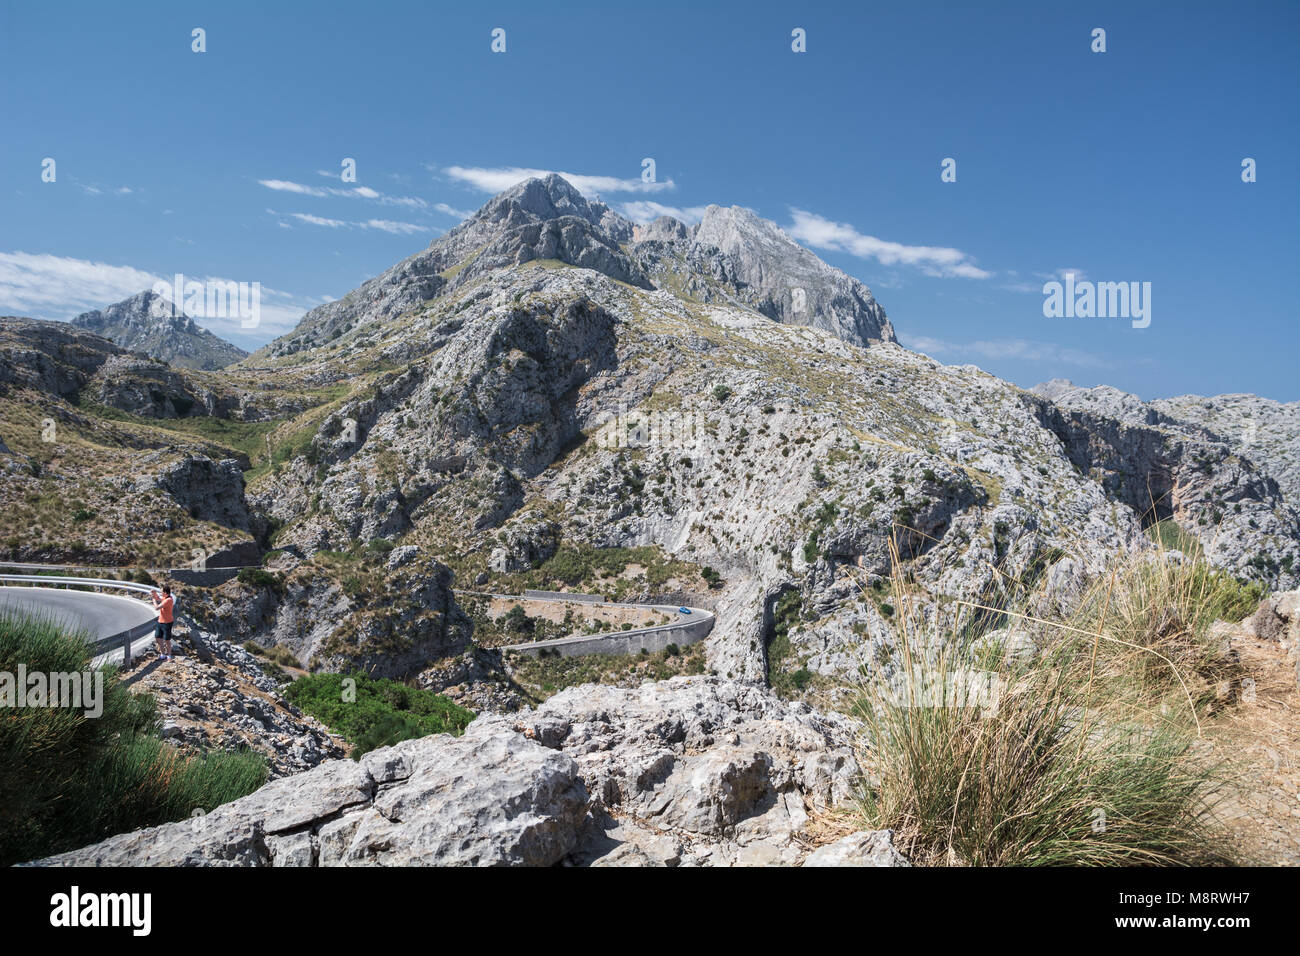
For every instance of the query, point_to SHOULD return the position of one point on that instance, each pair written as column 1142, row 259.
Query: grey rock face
column 538, row 219
column 147, row 323
column 864, row 848
column 51, row 357
column 1164, row 461
column 209, row 490
column 732, row 255
column 786, row 282
column 699, row 772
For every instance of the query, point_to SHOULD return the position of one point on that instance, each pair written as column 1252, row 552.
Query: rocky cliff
column 731, row 256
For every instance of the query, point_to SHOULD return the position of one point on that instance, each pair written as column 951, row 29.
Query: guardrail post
column 126, row 651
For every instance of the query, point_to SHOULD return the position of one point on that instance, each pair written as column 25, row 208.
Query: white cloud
column 1017, row 349
column 1060, row 275
column 284, row 186
column 939, row 261
column 645, row 210
column 383, row 225
column 44, row 286
column 396, row 228
column 451, row 211
column 318, row 220
column 494, row 180
column 356, row 192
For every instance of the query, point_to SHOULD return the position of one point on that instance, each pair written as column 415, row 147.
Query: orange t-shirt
column 165, row 610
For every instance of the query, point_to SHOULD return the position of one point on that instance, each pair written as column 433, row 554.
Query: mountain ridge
column 730, row 256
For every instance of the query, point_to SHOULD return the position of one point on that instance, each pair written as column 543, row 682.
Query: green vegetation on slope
column 376, row 712
column 68, row 779
column 543, row 676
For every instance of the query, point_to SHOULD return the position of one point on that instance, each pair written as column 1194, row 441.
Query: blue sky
column 1120, row 166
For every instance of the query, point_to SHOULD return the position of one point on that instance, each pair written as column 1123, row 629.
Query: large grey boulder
column 688, row 772
column 491, row 797
column 209, row 490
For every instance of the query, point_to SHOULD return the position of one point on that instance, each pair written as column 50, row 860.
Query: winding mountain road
column 109, row 620
column 99, row 615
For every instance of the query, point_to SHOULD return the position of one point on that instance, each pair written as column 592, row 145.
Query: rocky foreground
column 694, row 771
column 228, row 703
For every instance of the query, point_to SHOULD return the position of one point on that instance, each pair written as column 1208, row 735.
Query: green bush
column 372, row 710
column 517, row 621
column 68, row 779
column 260, row 578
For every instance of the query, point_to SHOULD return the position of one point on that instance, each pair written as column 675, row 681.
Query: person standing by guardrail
column 162, row 634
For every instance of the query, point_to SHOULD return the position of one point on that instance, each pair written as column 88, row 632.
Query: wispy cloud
column 496, row 179
column 645, row 210
column 95, row 189
column 1019, row 349
column 1060, row 275
column 383, row 225
column 355, row 192
column 941, row 261
column 45, row 286
column 318, row 220
column 396, row 228
column 442, row 207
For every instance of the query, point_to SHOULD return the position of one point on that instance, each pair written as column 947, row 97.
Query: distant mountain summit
column 753, row 262
column 731, row 257
column 146, row 323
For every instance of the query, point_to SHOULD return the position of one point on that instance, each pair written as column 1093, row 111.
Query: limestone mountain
column 732, row 256
column 759, row 266
column 146, row 322
column 551, row 397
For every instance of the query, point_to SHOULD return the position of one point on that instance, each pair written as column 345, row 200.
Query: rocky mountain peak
column 732, row 256
column 771, row 273
column 544, row 199
column 147, row 322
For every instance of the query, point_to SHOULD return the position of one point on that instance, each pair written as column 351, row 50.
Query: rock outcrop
column 229, row 703
column 1165, row 461
column 692, row 771
column 209, row 490
column 733, row 256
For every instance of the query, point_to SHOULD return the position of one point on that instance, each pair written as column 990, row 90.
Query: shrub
column 1028, row 782
column 68, row 780
column 370, row 712
column 140, row 576
column 517, row 621
column 1081, row 754
column 260, row 578
column 721, row 392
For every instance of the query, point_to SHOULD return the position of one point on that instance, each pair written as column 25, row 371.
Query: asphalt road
column 101, row 615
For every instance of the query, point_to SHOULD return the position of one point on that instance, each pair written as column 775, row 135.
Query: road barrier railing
column 103, row 644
